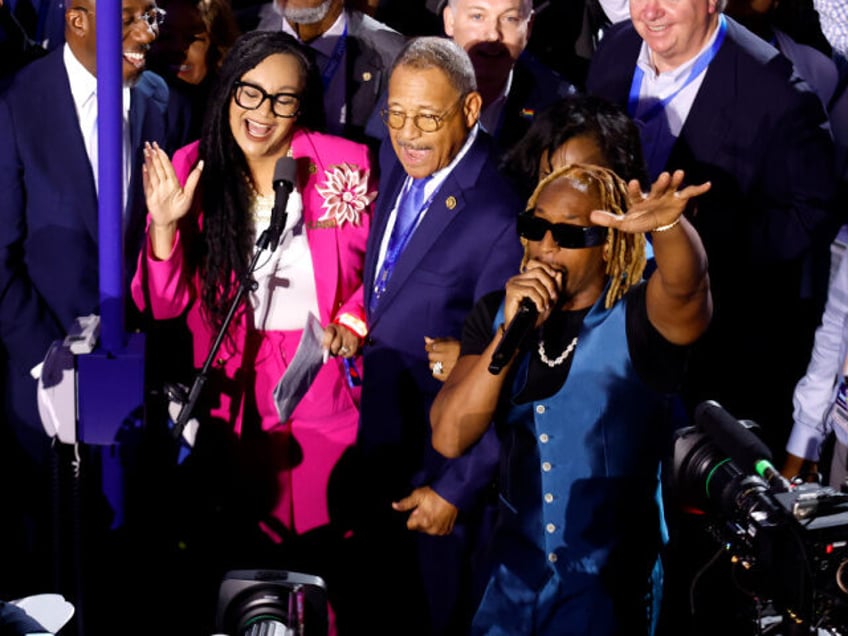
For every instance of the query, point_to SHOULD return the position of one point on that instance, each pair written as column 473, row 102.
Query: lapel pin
column 450, row 202
column 366, row 76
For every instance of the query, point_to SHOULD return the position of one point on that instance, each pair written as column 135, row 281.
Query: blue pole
column 110, row 174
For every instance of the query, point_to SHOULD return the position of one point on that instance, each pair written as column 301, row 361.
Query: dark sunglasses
column 565, row 235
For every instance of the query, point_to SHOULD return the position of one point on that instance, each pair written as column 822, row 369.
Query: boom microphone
column 736, row 440
column 522, row 323
column 284, row 175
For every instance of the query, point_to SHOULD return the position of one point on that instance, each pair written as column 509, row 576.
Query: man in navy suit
column 514, row 85
column 747, row 123
column 714, row 100
column 421, row 511
column 49, row 237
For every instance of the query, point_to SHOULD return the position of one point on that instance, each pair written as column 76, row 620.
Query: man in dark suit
column 514, row 84
column 49, row 239
column 749, row 125
column 353, row 51
column 716, row 101
column 423, row 274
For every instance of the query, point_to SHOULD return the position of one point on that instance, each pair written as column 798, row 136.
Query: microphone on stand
column 522, row 323
column 284, row 175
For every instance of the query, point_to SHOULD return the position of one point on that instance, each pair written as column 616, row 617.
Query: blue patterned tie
column 409, row 209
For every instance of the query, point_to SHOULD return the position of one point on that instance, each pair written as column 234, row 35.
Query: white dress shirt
column 84, row 93
column 816, row 391
column 660, row 132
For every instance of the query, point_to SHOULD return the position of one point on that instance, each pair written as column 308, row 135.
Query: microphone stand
column 246, row 283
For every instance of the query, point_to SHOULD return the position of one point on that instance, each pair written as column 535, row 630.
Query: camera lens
column 267, row 628
column 842, row 576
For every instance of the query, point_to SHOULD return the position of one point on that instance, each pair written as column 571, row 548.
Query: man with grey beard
column 353, row 52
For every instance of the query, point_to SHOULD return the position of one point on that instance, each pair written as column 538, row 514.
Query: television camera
column 272, row 603
column 790, row 539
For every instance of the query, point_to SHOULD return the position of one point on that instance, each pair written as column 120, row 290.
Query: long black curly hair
column 228, row 233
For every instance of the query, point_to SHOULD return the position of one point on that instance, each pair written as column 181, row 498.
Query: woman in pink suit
column 206, row 210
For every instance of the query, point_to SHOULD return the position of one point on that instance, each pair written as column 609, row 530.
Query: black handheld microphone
column 735, row 439
column 522, row 323
column 284, row 176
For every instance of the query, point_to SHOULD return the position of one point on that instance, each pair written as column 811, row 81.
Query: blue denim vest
column 579, row 487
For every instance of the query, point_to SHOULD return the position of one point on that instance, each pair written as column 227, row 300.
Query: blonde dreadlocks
column 624, row 252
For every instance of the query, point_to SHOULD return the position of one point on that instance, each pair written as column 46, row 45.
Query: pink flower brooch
column 345, row 194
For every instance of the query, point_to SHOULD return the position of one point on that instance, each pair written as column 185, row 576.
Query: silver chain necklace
column 561, row 358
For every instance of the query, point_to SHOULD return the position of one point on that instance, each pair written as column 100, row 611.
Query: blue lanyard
column 699, row 67
column 335, row 59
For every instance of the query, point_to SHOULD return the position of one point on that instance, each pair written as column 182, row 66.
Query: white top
column 285, row 292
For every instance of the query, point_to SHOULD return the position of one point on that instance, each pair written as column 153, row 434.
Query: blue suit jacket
column 48, row 215
column 758, row 134
column 534, row 88
column 465, row 247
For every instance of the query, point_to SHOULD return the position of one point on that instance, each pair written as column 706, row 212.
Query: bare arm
column 466, row 404
column 678, row 297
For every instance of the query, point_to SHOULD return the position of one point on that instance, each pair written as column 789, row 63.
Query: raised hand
column 658, row 209
column 167, row 200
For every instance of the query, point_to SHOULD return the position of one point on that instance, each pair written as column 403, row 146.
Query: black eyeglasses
column 425, row 123
column 250, row 97
column 565, row 235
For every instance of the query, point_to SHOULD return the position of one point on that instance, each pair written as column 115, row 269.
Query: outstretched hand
column 661, row 207
column 167, row 200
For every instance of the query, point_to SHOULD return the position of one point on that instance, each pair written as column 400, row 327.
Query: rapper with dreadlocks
column 580, row 407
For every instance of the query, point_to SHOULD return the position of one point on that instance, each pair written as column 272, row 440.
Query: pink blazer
column 325, row 422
